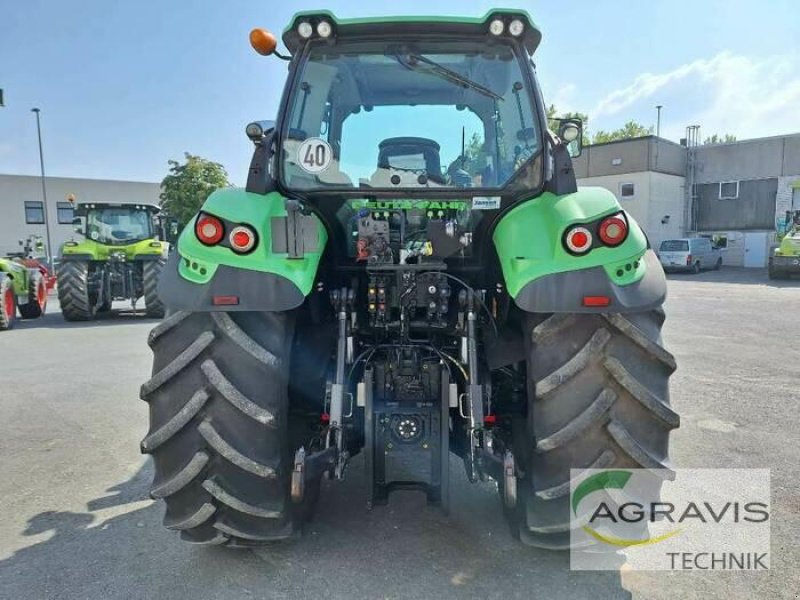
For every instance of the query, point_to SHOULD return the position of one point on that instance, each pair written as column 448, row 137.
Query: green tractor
column 785, row 259
column 410, row 272
column 120, row 258
column 24, row 284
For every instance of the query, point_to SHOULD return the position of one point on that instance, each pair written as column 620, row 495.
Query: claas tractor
column 410, row 272
column 120, row 258
column 785, row 259
column 24, row 283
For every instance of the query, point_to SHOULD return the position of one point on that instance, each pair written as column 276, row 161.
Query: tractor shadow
column 117, row 548
column 53, row 319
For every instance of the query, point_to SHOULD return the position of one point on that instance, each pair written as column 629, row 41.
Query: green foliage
column 188, row 185
column 720, row 139
column 631, row 129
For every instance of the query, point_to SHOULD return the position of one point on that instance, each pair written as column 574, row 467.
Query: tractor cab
column 116, row 224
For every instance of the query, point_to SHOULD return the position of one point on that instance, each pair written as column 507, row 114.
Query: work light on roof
column 324, row 29
column 516, row 27
column 497, row 27
column 305, row 30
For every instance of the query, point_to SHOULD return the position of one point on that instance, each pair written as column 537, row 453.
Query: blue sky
column 125, row 86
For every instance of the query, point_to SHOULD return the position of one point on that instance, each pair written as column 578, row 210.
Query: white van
column 689, row 254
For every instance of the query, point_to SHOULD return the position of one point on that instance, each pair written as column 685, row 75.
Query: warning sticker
column 314, row 155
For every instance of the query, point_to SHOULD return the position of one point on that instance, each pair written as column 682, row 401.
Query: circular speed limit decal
column 314, row 155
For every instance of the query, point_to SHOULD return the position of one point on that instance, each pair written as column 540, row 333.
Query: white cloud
column 727, row 93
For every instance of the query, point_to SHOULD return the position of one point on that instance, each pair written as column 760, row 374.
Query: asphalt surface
column 76, row 522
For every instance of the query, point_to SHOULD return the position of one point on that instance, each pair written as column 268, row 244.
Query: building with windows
column 22, row 210
column 735, row 193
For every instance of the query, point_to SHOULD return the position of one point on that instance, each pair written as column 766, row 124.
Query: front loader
column 785, row 259
column 120, row 258
column 383, row 288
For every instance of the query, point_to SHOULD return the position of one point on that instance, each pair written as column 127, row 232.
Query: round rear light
column 242, row 239
column 613, row 231
column 324, row 29
column 578, row 240
column 516, row 28
column 305, row 30
column 497, row 27
column 209, row 230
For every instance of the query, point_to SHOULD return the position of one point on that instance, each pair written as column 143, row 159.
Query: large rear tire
column 151, row 271
column 598, row 398
column 73, row 291
column 8, row 303
column 37, row 298
column 219, row 425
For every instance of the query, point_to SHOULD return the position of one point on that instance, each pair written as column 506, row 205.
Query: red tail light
column 689, row 260
column 242, row 239
column 613, row 230
column 578, row 240
column 209, row 230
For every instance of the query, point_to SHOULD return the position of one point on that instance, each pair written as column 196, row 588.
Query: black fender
column 253, row 290
column 564, row 292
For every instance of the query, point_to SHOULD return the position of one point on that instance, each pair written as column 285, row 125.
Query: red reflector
column 225, row 300
column 578, row 240
column 596, row 300
column 242, row 239
column 325, row 417
column 490, row 419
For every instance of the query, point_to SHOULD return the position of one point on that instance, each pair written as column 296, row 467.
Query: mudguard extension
column 266, row 279
column 543, row 277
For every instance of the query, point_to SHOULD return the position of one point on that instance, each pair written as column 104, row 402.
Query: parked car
column 689, row 254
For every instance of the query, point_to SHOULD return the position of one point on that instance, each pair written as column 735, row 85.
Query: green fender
column 264, row 279
column 542, row 276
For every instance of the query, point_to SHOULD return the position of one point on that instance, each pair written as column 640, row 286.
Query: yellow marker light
column 71, row 198
column 263, row 41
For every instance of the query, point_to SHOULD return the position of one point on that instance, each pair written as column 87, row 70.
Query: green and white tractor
column 120, row 258
column 24, row 284
column 410, row 272
column 785, row 259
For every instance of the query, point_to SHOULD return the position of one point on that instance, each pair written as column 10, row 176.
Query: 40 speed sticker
column 314, row 155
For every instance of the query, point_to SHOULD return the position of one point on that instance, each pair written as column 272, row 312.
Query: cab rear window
column 674, row 245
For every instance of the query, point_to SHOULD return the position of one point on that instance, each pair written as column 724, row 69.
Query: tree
column 631, row 129
column 188, row 185
column 717, row 139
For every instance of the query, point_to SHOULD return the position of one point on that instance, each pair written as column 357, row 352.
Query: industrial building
column 22, row 208
column 735, row 193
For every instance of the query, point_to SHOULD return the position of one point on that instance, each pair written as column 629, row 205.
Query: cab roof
column 82, row 207
column 382, row 26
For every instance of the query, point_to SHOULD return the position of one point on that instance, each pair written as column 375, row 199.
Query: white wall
column 656, row 196
column 16, row 189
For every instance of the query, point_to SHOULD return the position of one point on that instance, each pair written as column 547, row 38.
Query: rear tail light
column 689, row 259
column 595, row 301
column 578, row 240
column 613, row 230
column 242, row 239
column 209, row 230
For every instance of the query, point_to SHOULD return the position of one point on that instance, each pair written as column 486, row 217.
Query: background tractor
column 24, row 283
column 120, row 258
column 785, row 259
column 377, row 290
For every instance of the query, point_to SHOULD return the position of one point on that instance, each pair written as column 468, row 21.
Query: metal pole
column 658, row 121
column 44, row 188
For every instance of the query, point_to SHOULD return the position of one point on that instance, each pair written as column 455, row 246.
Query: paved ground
column 75, row 521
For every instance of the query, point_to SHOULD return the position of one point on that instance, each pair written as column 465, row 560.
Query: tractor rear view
column 382, row 288
column 119, row 259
